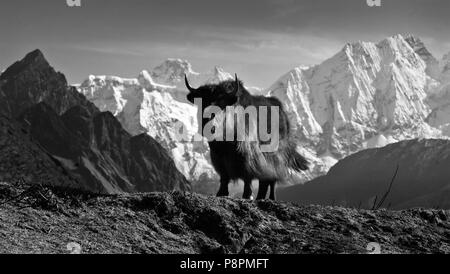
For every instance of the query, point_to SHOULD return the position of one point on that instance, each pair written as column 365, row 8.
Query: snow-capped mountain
column 367, row 95
column 154, row 102
column 171, row 73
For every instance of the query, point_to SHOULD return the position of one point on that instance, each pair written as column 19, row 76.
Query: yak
column 243, row 158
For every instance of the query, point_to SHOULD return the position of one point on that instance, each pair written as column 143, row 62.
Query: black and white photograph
column 226, row 128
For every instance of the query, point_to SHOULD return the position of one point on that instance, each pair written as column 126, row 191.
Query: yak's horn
column 237, row 82
column 187, row 84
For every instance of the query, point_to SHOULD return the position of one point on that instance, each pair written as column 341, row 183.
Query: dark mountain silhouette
column 32, row 80
column 90, row 145
column 356, row 181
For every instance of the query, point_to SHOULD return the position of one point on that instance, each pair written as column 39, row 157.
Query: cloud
column 259, row 56
column 224, row 44
column 285, row 8
column 263, row 45
column 112, row 48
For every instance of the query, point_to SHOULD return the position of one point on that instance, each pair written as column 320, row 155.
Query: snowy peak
column 366, row 94
column 419, row 47
column 357, row 49
column 105, row 80
column 218, row 75
column 395, row 49
column 145, row 79
column 167, row 77
column 147, row 82
column 172, row 71
column 155, row 103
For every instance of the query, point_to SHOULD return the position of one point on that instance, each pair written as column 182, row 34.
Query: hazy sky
column 258, row 39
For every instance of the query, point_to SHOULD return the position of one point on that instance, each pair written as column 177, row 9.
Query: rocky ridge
column 46, row 220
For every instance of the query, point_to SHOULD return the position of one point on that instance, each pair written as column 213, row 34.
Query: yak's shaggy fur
column 244, row 159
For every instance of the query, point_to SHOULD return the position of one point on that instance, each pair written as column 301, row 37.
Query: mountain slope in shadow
column 356, row 181
column 91, row 145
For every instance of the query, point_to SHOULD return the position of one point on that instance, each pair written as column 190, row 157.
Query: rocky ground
column 38, row 219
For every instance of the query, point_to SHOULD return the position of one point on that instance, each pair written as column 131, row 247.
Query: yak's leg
column 223, row 190
column 247, row 189
column 272, row 190
column 262, row 191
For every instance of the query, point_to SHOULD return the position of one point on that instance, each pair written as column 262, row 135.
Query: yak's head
column 222, row 95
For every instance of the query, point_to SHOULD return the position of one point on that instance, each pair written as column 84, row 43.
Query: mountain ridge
column 418, row 170
column 367, row 92
column 91, row 145
column 189, row 223
column 144, row 105
column 367, row 95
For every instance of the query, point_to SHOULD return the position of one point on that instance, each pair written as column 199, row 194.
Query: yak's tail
column 296, row 161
